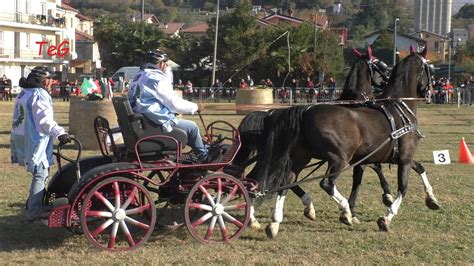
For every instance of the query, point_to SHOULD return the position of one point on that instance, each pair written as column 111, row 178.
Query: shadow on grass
column 17, row 234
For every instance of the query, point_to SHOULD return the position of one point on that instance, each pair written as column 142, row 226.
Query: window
column 1, row 43
column 43, row 9
column 28, row 40
column 28, row 7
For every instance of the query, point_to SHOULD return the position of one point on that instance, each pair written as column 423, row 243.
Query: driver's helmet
column 156, row 56
column 41, row 72
column 382, row 66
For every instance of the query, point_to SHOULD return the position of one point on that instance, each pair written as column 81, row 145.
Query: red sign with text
column 61, row 50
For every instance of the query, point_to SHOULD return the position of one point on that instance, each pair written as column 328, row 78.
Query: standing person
column 34, row 113
column 243, row 84
column 293, row 86
column 332, row 88
column 310, row 87
column 152, row 94
column 189, row 89
column 231, row 89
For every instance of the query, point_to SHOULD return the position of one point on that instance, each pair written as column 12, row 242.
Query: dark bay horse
column 297, row 134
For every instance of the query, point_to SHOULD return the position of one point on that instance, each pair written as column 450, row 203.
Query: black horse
column 297, row 134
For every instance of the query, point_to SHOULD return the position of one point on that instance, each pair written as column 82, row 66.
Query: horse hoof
column 346, row 218
column 432, row 203
column 384, row 224
column 355, row 220
column 255, row 225
column 387, row 200
column 272, row 230
column 310, row 213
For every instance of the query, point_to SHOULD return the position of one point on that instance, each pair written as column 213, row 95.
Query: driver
column 151, row 93
column 33, row 133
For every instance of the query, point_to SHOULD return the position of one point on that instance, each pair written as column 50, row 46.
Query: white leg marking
column 393, row 210
column 278, row 211
column 428, row 188
column 341, row 201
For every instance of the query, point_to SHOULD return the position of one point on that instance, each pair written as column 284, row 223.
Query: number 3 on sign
column 441, row 157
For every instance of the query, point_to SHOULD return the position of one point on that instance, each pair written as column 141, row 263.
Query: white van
column 126, row 73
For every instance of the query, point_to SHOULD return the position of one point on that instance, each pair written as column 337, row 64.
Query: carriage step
column 57, row 217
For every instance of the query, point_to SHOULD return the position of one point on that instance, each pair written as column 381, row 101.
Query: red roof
column 67, row 7
column 82, row 17
column 200, row 28
column 171, row 28
column 82, row 36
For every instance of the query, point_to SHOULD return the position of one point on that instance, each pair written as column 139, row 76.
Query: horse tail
column 250, row 129
column 281, row 134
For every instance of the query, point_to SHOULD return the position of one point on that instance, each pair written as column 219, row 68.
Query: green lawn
column 418, row 235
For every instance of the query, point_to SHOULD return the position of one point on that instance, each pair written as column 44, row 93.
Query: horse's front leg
column 309, row 211
column 357, row 173
column 327, row 184
column 403, row 171
column 277, row 215
column 387, row 198
column 430, row 201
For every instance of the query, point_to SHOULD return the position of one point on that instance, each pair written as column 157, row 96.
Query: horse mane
column 353, row 86
column 399, row 78
column 281, row 131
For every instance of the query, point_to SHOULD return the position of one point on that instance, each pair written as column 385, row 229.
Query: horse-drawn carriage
column 118, row 197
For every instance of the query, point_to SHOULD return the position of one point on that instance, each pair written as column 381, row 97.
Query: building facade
column 433, row 16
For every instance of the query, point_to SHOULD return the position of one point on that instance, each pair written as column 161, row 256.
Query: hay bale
column 82, row 113
column 251, row 100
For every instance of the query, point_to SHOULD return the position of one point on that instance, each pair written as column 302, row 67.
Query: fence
column 281, row 95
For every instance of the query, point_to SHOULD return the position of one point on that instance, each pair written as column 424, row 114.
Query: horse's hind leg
column 327, row 184
column 387, row 198
column 431, row 201
column 253, row 223
column 309, row 211
column 277, row 215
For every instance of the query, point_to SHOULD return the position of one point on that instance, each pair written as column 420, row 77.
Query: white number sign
column 441, row 157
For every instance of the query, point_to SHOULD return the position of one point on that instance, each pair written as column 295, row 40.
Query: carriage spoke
column 231, row 195
column 113, row 235
column 201, row 220
column 236, row 206
column 117, row 194
column 208, row 196
column 224, row 230
column 130, row 198
column 137, row 223
column 219, row 190
column 232, row 219
column 210, row 229
column 102, row 227
column 200, row 206
column 104, row 200
column 127, row 234
column 138, row 210
column 99, row 214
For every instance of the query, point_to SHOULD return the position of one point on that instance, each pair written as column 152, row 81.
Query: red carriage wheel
column 121, row 215
column 223, row 206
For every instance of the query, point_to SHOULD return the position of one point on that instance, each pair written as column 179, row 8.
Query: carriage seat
column 135, row 126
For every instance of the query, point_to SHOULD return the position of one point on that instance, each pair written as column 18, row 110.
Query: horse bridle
column 426, row 69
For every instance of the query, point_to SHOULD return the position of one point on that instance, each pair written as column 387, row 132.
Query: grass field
column 418, row 235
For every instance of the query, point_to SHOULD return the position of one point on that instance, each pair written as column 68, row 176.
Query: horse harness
column 400, row 109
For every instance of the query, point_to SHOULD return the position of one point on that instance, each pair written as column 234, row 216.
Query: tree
column 466, row 12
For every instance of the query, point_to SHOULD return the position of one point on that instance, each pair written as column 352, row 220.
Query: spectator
column 152, row 94
column 34, row 113
column 230, row 89
column 188, row 88
column 332, row 88
column 243, row 84
column 293, row 86
column 310, row 89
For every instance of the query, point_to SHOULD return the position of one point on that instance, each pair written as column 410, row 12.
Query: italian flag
column 88, row 86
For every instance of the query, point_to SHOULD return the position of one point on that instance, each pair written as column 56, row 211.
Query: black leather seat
column 135, row 126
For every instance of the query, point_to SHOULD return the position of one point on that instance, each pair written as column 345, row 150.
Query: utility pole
column 395, row 42
column 213, row 79
column 143, row 10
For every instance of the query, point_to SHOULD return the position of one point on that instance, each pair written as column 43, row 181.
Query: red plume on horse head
column 357, row 53
column 369, row 52
column 412, row 49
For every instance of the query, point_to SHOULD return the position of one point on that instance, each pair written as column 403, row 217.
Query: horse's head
column 368, row 72
column 412, row 77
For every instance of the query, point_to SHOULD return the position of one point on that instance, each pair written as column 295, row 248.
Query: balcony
column 33, row 19
column 28, row 55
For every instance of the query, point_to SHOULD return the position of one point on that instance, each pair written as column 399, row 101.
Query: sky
column 457, row 4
